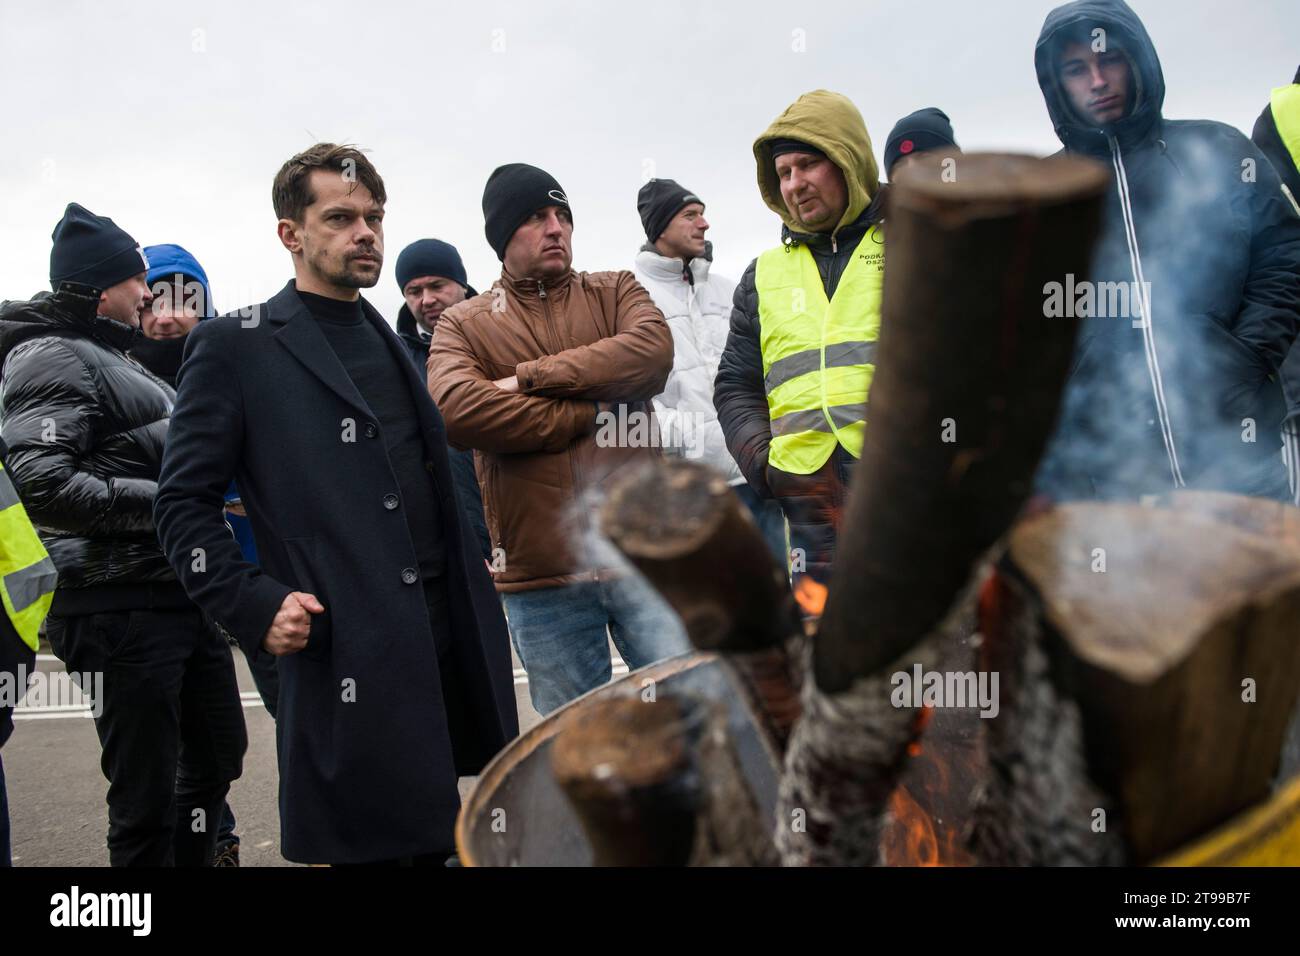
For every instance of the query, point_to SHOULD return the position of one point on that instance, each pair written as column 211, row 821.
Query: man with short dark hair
column 1193, row 296
column 393, row 657
column 432, row 279
column 522, row 373
column 85, row 427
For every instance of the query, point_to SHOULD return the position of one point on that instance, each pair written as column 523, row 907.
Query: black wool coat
column 369, row 750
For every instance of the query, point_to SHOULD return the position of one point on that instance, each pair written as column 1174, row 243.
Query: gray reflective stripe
column 796, row 422
column 792, row 366
column 26, row 585
column 8, row 493
column 814, row 421
column 843, row 415
column 839, row 355
column 850, row 353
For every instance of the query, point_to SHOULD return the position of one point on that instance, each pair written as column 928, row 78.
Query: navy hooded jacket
column 163, row 357
column 1188, row 393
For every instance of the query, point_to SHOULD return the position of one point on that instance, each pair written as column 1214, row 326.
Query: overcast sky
column 173, row 117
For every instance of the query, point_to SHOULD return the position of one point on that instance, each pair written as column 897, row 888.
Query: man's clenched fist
column 288, row 632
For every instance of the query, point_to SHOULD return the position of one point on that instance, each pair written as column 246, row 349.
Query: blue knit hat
column 93, row 251
column 430, row 257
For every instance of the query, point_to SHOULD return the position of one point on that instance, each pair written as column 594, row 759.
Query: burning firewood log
column 1150, row 668
column 657, row 783
column 968, row 381
column 628, row 769
column 681, row 525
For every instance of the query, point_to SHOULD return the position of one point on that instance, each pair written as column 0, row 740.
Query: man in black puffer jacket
column 792, row 383
column 1193, row 300
column 85, row 426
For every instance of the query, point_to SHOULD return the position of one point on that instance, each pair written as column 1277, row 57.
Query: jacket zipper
column 1148, row 329
column 574, row 471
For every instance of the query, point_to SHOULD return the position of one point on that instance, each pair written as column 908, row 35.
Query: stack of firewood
column 1147, row 669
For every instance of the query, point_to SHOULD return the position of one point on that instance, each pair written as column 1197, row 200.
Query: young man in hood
column 85, row 428
column 1193, row 297
column 393, row 657
column 535, row 374
column 182, row 298
column 791, row 389
column 674, row 266
column 432, row 278
column 1277, row 134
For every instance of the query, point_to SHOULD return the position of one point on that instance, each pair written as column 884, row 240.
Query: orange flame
column 925, row 814
column 911, row 841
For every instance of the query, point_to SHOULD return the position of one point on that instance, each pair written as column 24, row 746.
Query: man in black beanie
column 676, row 267
column 550, row 376
column 85, row 426
column 432, row 278
column 917, row 133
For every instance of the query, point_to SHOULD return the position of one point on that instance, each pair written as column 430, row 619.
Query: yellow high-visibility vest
column 1285, row 104
column 818, row 355
column 27, row 575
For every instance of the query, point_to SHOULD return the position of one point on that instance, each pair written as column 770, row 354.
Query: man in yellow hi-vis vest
column 27, row 579
column 1277, row 134
column 791, row 390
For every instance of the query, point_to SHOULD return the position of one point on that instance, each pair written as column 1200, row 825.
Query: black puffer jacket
column 1193, row 397
column 85, row 427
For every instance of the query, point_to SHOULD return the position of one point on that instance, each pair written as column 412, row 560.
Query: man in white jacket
column 673, row 265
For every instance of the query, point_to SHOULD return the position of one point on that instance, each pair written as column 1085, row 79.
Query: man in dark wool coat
column 393, row 653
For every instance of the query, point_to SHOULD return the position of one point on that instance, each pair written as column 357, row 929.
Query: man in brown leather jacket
column 549, row 376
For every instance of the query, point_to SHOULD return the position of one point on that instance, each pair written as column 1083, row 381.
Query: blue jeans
column 562, row 634
column 770, row 520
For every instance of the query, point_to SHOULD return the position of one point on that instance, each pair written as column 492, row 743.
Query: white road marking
column 247, row 698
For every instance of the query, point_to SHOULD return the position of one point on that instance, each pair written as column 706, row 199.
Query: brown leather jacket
column 584, row 338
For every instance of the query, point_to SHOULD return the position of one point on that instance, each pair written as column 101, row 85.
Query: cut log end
column 665, row 509
column 994, row 184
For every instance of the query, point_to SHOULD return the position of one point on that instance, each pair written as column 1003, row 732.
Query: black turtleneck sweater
column 374, row 371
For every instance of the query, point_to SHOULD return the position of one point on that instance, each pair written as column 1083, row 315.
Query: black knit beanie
column 512, row 194
column 659, row 201
column 92, row 250
column 918, row 132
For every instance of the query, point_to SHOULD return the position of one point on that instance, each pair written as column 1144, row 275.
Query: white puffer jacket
column 699, row 315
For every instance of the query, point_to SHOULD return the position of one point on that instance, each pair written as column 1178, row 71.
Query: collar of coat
column 820, row 243
column 293, row 327
column 73, row 307
column 530, row 286
column 665, row 269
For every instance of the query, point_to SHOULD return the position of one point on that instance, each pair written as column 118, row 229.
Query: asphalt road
column 56, row 789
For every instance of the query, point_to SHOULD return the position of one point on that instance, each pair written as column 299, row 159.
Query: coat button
column 409, row 576
column 371, row 430
column 390, row 502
